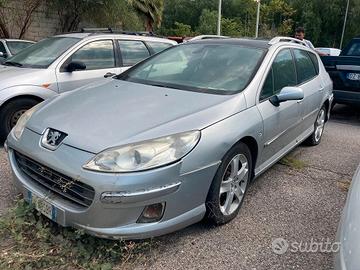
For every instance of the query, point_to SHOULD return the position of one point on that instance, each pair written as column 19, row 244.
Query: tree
column 150, row 10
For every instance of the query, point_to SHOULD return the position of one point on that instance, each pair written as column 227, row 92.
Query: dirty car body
column 153, row 141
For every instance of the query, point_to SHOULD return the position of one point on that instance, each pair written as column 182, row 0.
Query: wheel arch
column 25, row 96
column 250, row 142
column 327, row 108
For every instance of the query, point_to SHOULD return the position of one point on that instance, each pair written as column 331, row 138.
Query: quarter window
column 132, row 52
column 2, row 47
column 282, row 74
column 315, row 61
column 304, row 65
column 96, row 55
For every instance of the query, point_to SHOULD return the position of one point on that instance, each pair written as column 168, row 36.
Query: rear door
column 132, row 52
column 99, row 58
column 307, row 68
column 282, row 123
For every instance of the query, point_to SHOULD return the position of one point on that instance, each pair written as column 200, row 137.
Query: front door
column 99, row 59
column 282, row 124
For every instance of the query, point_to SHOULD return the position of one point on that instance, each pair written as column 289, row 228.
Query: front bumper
column 184, row 194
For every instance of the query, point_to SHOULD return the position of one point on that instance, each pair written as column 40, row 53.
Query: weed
column 31, row 241
column 293, row 162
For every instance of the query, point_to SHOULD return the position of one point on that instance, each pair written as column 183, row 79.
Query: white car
column 329, row 51
column 65, row 62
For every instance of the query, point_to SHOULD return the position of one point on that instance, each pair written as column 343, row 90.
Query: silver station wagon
column 65, row 62
column 173, row 140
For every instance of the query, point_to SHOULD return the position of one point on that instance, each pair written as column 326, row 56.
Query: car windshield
column 16, row 46
column 43, row 53
column 210, row 68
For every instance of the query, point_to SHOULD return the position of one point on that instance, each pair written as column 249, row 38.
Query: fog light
column 152, row 213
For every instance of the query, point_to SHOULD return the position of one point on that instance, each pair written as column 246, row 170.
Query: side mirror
column 3, row 55
column 287, row 93
column 76, row 65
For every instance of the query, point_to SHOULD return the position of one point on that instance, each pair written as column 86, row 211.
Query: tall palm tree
column 150, row 10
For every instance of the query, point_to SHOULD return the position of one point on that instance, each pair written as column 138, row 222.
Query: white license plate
column 353, row 76
column 44, row 207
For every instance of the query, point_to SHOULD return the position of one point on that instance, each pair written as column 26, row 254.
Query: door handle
column 299, row 101
column 321, row 88
column 109, row 74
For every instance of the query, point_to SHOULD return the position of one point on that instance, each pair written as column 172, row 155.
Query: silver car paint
column 223, row 121
column 348, row 234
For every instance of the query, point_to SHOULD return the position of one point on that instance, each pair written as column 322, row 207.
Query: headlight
column 20, row 125
column 145, row 155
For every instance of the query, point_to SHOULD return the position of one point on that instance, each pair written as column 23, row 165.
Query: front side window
column 211, row 68
column 282, row 73
column 2, row 48
column 158, row 46
column 16, row 46
column 43, row 53
column 132, row 52
column 304, row 66
column 95, row 55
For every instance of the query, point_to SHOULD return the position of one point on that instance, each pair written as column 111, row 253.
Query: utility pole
column 219, row 19
column 257, row 19
column 344, row 26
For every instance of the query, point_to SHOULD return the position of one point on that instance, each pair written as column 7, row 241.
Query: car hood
column 117, row 112
column 11, row 76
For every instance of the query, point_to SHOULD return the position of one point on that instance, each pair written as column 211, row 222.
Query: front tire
column 11, row 112
column 230, row 184
column 319, row 125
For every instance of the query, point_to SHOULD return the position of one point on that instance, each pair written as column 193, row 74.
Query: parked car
column 329, row 51
column 154, row 149
column 348, row 234
column 63, row 63
column 344, row 70
column 10, row 47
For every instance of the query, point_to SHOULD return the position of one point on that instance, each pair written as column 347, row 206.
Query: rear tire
column 11, row 112
column 229, row 185
column 319, row 125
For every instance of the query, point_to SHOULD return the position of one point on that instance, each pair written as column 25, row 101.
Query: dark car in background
column 10, row 47
column 344, row 70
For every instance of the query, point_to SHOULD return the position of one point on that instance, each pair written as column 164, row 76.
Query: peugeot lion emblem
column 52, row 138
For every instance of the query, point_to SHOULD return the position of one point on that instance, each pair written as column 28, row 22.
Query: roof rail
column 286, row 39
column 115, row 31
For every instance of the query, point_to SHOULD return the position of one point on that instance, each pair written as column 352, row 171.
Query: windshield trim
column 124, row 76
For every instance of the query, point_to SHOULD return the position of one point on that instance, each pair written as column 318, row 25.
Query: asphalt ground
column 299, row 202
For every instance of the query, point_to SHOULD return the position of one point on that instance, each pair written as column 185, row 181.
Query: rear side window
column 315, row 62
column 96, row 55
column 158, row 46
column 354, row 50
column 304, row 66
column 132, row 51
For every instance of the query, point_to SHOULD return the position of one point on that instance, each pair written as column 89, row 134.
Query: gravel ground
column 297, row 205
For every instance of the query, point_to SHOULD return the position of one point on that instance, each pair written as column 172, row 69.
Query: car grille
column 69, row 189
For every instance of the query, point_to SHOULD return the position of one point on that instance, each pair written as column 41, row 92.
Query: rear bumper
column 346, row 97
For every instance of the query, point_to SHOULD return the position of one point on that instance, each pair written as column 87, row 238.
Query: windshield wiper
column 11, row 63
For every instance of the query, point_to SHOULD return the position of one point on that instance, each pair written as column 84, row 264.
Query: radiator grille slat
column 69, row 189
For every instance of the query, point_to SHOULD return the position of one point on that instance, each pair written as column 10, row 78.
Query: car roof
column 258, row 43
column 131, row 37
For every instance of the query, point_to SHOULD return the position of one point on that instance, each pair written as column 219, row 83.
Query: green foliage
column 31, row 241
column 151, row 10
column 207, row 22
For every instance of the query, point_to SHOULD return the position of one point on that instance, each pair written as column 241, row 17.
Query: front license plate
column 353, row 76
column 44, row 207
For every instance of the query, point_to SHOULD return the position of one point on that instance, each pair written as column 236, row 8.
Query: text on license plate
column 353, row 76
column 44, row 207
